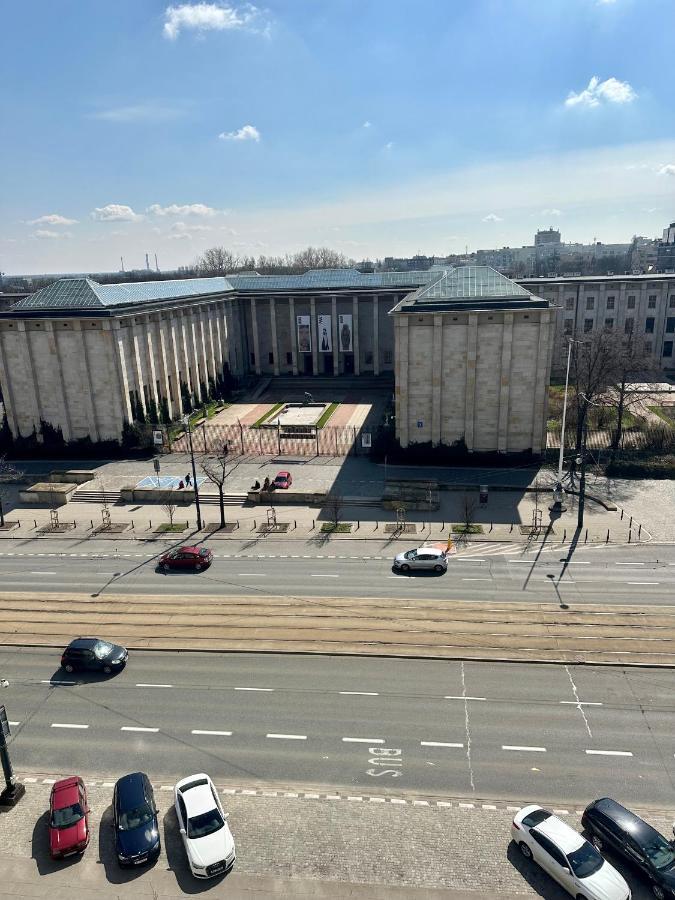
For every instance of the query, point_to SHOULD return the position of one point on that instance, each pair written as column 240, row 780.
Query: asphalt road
column 505, row 572
column 557, row 734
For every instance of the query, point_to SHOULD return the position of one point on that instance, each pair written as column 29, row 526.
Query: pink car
column 283, row 480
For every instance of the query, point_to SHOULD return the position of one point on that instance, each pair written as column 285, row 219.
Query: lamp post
column 558, row 492
column 186, row 422
column 13, row 791
column 581, row 462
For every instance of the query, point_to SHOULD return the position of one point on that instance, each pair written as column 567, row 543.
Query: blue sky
column 373, row 127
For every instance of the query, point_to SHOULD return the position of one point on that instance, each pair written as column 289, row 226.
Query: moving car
column 566, row 856
column 68, row 818
column 208, row 841
column 195, row 558
column 613, row 827
column 283, row 481
column 135, row 820
column 93, row 655
column 429, row 558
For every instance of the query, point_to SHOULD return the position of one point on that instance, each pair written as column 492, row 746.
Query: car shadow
column 64, row 679
column 640, row 889
column 177, row 860
column 541, row 883
column 417, row 573
column 114, row 873
column 40, row 849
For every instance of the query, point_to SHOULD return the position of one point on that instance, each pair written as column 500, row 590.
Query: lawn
column 268, row 415
column 332, row 528
column 467, row 529
column 175, row 528
column 325, row 416
column 665, row 413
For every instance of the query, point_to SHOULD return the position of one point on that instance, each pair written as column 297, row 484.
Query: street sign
column 157, row 438
column 420, row 423
column 366, row 439
column 4, row 723
column 155, row 463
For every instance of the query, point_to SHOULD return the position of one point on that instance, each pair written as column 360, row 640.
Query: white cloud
column 142, row 112
column 202, row 17
column 47, row 235
column 389, row 145
column 668, row 169
column 367, row 124
column 189, row 209
column 491, row 217
column 551, row 212
column 246, row 133
column 611, row 91
column 52, row 219
column 182, row 227
column 181, row 236
column 115, row 212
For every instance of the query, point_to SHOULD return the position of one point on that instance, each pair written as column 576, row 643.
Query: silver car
column 429, row 558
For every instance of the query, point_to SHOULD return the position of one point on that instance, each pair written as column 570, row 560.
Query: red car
column 68, row 818
column 196, row 558
column 283, row 480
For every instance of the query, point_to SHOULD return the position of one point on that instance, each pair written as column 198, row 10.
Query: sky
column 376, row 128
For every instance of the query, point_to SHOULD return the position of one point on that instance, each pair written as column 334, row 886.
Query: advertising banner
column 345, row 333
column 325, row 334
column 304, row 334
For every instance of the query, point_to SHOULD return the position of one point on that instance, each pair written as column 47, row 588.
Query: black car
column 94, row 655
column 135, row 820
column 613, row 827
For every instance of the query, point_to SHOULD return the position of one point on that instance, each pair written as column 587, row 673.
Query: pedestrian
column 187, row 480
column 181, row 485
column 226, row 448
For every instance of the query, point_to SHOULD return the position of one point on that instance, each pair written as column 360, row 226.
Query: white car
column 430, row 558
column 208, row 841
column 566, row 856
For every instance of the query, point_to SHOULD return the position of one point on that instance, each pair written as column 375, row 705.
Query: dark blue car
column 135, row 820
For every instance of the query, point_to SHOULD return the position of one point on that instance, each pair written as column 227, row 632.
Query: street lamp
column 558, row 492
column 186, row 422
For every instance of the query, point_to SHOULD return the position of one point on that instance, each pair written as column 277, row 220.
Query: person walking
column 187, row 480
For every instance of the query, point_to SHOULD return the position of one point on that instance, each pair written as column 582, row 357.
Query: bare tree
column 593, row 370
column 333, row 504
column 217, row 472
column 216, row 261
column 633, row 364
column 468, row 512
column 170, row 510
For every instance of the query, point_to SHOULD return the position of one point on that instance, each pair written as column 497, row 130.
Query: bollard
column 622, row 514
column 639, row 531
column 607, row 541
column 629, row 537
column 150, row 525
column 35, row 520
column 564, row 535
column 490, row 526
column 358, row 524
column 377, row 525
column 132, row 524
column 511, row 528
column 443, row 527
column 187, row 524
column 237, row 525
column 295, row 524
column 254, row 525
column 630, row 524
column 313, row 524
column 586, row 537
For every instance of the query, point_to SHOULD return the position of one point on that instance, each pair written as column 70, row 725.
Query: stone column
column 135, row 351
column 504, row 384
column 8, row 392
column 355, row 336
column 53, row 343
column 313, row 332
column 275, row 340
column 436, row 380
column 149, row 346
column 376, row 335
column 294, row 334
column 401, row 390
column 542, row 377
column 334, row 332
column 88, row 394
column 28, row 354
column 256, row 336
column 470, row 395
column 160, row 349
column 120, row 396
column 173, row 334
column 121, row 366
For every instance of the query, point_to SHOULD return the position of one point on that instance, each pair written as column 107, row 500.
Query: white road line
column 476, row 579
column 629, row 564
column 641, row 582
column 352, row 740
column 215, row 733
column 578, row 562
column 314, row 575
column 576, row 694
column 525, row 749
column 49, row 681
column 438, row 744
column 138, row 728
column 13, row 724
column 468, row 559
column 266, row 690
column 143, row 684
column 450, row 697
column 608, row 752
column 467, row 730
column 359, row 693
column 580, row 703
column 42, row 573
column 67, row 725
column 288, row 737
column 251, row 575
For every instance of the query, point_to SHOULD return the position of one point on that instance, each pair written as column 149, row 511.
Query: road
column 615, row 575
column 560, row 734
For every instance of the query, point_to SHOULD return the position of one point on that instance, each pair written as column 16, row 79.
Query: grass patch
column 467, row 529
column 174, row 529
column 666, row 414
column 332, row 528
column 325, row 416
column 268, row 415
column 654, row 467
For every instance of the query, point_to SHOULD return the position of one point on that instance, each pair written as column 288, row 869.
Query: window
column 289, row 359
column 590, row 302
column 588, row 325
column 670, row 325
column 252, row 358
column 651, row 302
column 667, row 348
column 610, row 303
column 649, row 325
column 628, row 325
column 631, row 301
column 569, row 326
column 270, row 358
column 609, row 323
column 388, row 357
column 671, row 302
column 569, row 303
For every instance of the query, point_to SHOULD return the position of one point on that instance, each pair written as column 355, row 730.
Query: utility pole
column 13, row 791
column 581, row 461
column 186, row 422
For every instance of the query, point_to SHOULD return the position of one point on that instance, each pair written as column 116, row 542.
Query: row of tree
column 220, row 261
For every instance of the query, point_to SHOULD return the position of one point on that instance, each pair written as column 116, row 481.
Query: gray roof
column 469, row 286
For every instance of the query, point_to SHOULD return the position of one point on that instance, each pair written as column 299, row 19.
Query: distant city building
column 665, row 254
column 546, row 237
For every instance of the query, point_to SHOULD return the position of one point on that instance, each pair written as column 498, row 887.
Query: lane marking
column 314, row 575
column 215, row 733
column 353, row 740
column 608, row 752
column 438, row 744
column 359, row 693
column 580, row 703
column 42, row 573
column 49, row 681
column 450, row 697
column 476, row 579
column 579, row 707
column 266, row 690
column 13, row 724
column 143, row 684
column 641, row 582
column 629, row 564
column 138, row 728
column 524, row 749
column 67, row 725
column 251, row 575
column 288, row 737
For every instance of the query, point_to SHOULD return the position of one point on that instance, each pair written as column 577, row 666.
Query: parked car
column 135, row 820
column 566, row 856
column 188, row 558
column 68, row 818
column 282, row 480
column 93, row 655
column 613, row 827
column 208, row 841
column 429, row 558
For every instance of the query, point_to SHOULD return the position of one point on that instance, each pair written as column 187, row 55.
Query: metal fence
column 654, row 438
column 245, row 440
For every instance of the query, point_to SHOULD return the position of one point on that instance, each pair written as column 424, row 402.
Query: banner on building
column 345, row 333
column 325, row 334
column 304, row 334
